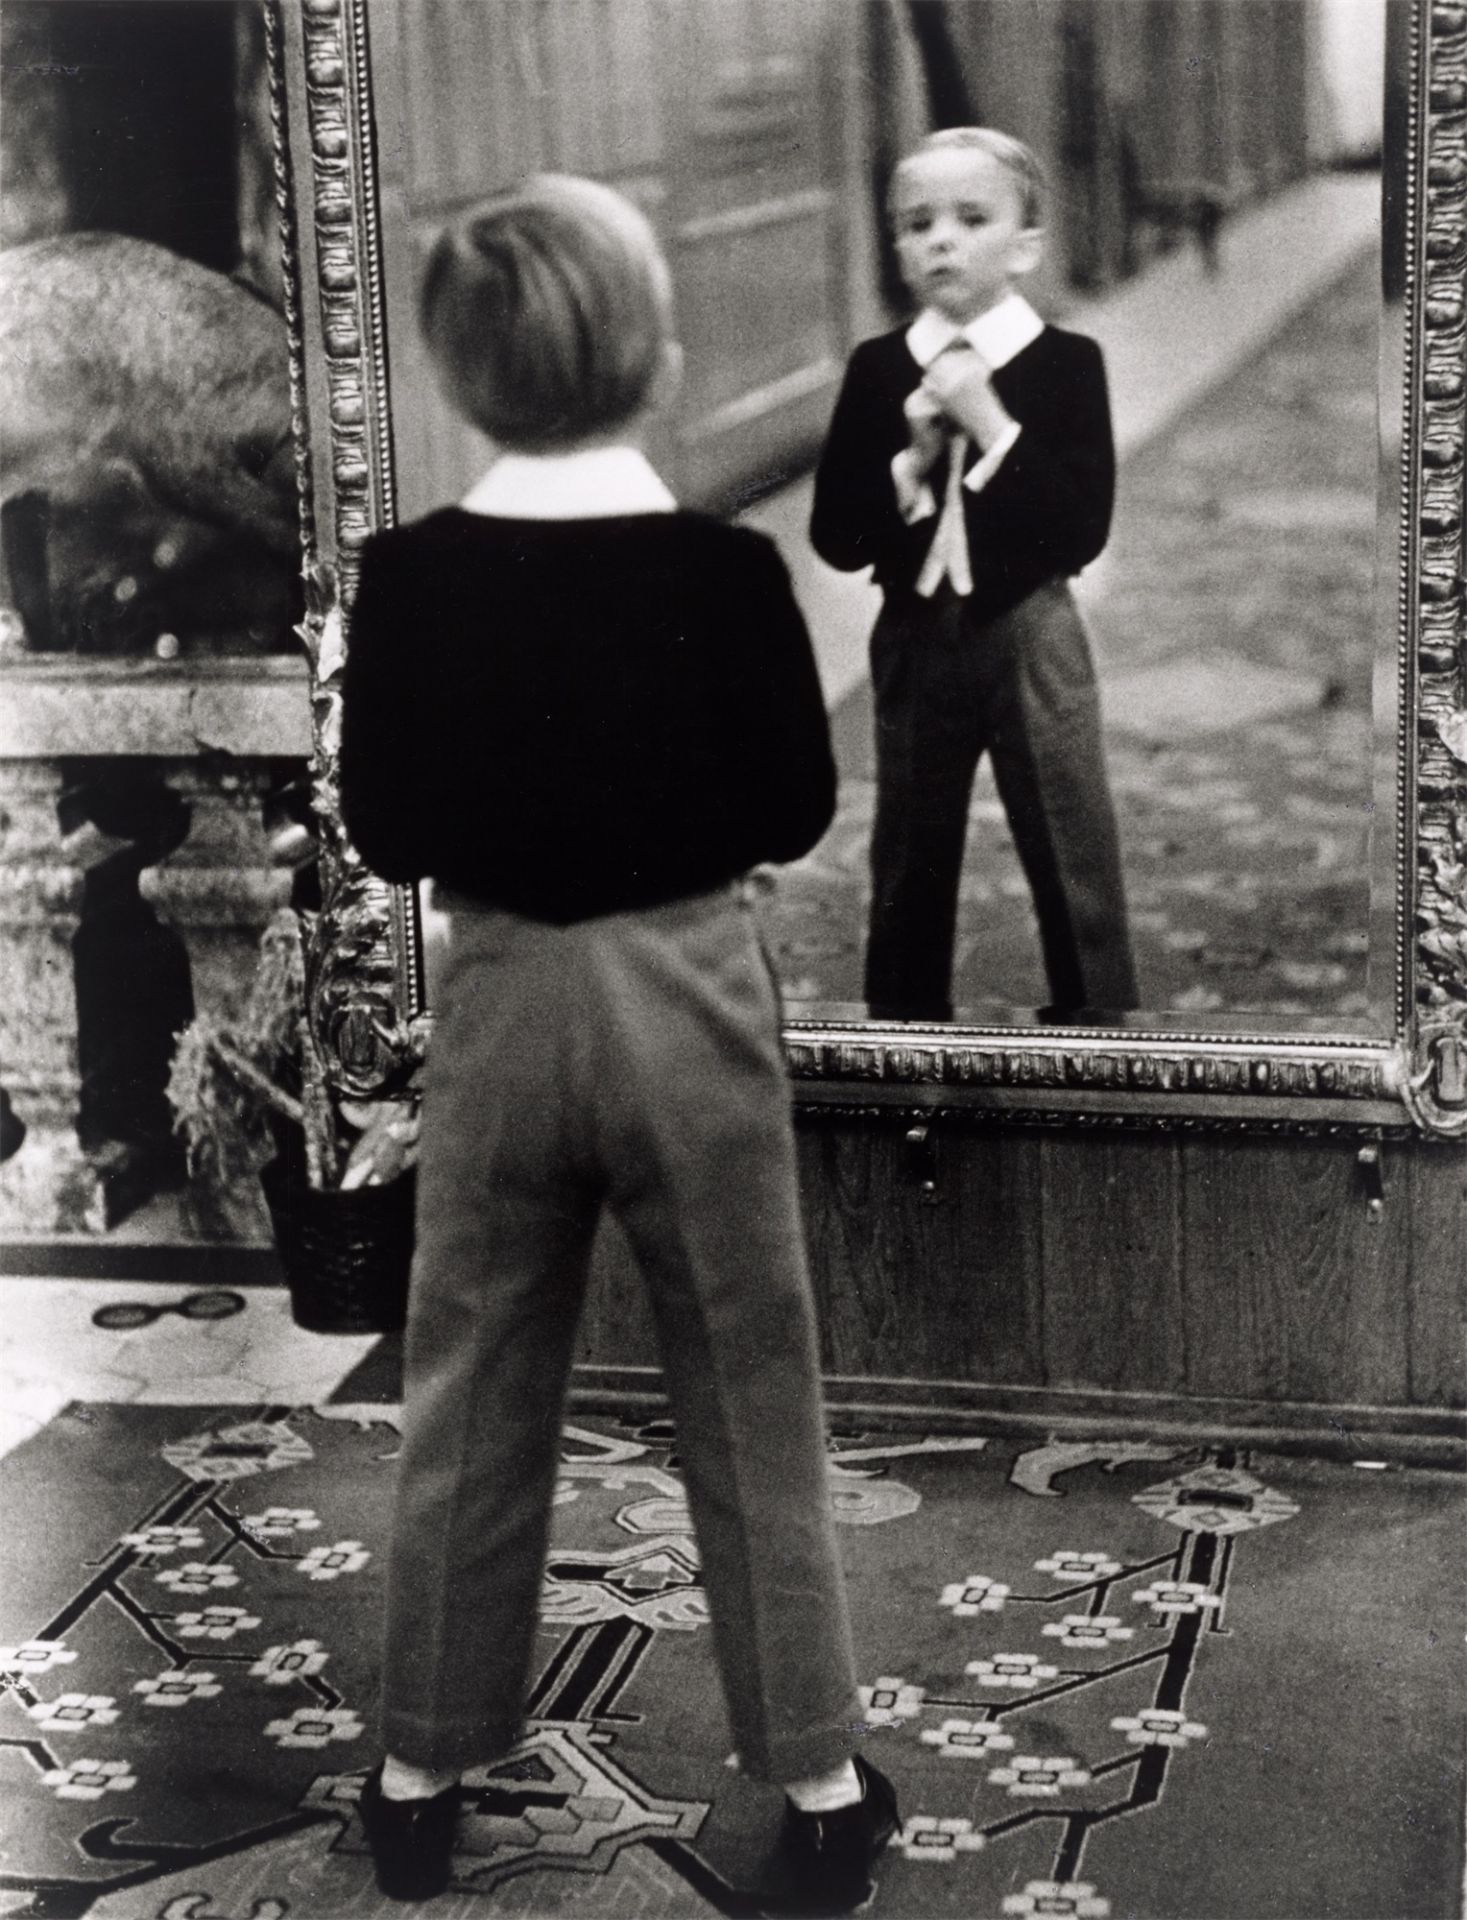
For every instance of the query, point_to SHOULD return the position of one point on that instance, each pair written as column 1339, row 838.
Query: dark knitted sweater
column 568, row 718
column 1045, row 513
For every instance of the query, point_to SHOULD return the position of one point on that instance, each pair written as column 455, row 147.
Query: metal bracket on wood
column 1372, row 1179
column 920, row 1155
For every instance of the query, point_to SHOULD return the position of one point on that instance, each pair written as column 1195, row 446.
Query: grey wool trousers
column 1021, row 688
column 630, row 1061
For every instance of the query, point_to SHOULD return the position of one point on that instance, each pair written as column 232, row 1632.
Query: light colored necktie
column 947, row 557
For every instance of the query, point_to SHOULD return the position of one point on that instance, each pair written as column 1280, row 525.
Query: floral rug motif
column 1120, row 1679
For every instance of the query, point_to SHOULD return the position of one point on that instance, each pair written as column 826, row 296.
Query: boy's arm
column 786, row 768
column 381, row 783
column 1059, row 474
column 960, row 383
column 855, row 513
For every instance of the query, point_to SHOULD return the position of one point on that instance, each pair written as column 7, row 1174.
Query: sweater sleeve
column 382, row 784
column 790, row 769
column 1059, row 475
column 855, row 515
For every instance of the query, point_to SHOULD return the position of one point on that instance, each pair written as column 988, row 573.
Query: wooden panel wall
column 725, row 120
column 1202, row 92
column 1205, row 1267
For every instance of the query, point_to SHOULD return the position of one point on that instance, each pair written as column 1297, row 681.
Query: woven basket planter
column 346, row 1255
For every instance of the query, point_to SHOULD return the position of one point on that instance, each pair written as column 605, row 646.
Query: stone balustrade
column 206, row 745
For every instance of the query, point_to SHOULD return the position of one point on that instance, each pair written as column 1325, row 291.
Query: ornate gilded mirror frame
column 367, row 1004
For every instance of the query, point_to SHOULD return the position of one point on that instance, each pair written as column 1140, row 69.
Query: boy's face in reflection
column 958, row 222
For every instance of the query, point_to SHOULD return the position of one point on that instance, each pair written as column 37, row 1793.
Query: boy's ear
column 1028, row 250
column 668, row 380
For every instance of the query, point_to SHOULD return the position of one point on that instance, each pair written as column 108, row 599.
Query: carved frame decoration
column 365, row 987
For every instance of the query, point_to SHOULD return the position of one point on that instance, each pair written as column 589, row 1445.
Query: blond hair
column 547, row 311
column 1012, row 155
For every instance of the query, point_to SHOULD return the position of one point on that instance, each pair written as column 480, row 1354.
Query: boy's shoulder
column 890, row 345
column 889, row 350
column 450, row 525
column 407, row 536
column 1063, row 342
column 1057, row 362
column 690, row 537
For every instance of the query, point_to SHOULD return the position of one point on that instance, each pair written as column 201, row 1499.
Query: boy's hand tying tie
column 959, row 382
column 926, row 430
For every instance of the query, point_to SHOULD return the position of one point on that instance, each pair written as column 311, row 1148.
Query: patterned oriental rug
column 1118, row 1681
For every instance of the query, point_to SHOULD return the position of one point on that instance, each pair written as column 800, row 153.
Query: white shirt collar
column 997, row 336
column 593, row 483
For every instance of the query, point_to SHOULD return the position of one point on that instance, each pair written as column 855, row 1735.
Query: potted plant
column 249, row 1098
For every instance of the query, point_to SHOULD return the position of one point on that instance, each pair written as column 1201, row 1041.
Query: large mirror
column 1257, row 212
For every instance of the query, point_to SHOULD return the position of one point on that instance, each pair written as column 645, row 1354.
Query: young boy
column 970, row 465
column 586, row 714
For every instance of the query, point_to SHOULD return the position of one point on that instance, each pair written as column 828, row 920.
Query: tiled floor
column 52, row 1351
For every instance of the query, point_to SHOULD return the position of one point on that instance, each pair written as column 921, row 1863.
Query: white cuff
column 914, row 497
column 989, row 465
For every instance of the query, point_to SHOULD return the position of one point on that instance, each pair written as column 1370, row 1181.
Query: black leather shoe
column 1084, row 1016
column 12, row 1127
column 830, row 1855
column 924, row 1013
column 411, row 1840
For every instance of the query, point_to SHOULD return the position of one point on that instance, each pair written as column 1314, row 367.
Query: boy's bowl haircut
column 547, row 311
column 1016, row 159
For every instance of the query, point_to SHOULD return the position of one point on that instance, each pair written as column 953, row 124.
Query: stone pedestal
column 216, row 731
column 49, row 1186
column 218, row 892
column 221, row 887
